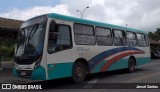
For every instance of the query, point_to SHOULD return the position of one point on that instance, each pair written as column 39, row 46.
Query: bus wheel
column 78, row 72
column 131, row 65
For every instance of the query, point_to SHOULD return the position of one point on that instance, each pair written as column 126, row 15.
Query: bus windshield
column 30, row 41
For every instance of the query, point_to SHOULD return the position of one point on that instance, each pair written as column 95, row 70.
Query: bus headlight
column 37, row 64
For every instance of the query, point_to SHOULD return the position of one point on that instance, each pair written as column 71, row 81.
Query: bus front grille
column 24, row 61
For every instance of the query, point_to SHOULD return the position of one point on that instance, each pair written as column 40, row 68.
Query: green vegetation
column 7, row 49
column 154, row 35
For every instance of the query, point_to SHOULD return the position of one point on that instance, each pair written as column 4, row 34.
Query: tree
column 154, row 35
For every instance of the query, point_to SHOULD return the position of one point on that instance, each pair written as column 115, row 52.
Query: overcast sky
column 138, row 14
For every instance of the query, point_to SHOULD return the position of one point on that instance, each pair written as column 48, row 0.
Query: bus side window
column 131, row 39
column 139, row 43
column 141, row 40
column 84, row 34
column 144, row 40
column 59, row 38
column 104, row 37
column 119, row 38
column 147, row 40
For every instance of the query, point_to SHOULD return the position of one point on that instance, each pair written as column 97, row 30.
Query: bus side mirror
column 52, row 26
column 51, row 30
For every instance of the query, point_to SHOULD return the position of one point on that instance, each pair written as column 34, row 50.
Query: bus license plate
column 23, row 73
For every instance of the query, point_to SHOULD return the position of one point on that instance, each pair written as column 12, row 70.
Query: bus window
column 147, row 40
column 59, row 38
column 131, row 39
column 104, row 37
column 119, row 38
column 84, row 34
column 141, row 40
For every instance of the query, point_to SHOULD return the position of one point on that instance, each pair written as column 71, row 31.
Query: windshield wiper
column 32, row 32
column 27, row 34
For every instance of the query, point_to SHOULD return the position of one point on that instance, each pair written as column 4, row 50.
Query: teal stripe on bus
column 142, row 61
column 120, row 64
column 89, row 22
column 39, row 73
column 59, row 70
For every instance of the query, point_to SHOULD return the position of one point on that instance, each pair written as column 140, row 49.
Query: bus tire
column 131, row 65
column 78, row 72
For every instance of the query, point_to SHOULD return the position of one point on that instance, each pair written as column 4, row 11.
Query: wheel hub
column 79, row 72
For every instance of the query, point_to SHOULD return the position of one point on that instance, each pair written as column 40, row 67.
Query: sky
column 138, row 14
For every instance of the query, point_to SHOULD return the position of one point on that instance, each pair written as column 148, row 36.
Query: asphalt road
column 149, row 73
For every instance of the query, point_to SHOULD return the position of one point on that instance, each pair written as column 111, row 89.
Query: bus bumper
column 37, row 74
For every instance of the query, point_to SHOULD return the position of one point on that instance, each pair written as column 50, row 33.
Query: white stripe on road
column 91, row 83
column 130, row 74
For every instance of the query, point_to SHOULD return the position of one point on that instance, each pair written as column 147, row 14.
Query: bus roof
column 89, row 22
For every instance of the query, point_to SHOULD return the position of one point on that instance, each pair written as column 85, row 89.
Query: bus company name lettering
column 83, row 49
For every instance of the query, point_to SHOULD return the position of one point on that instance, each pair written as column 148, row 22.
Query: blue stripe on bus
column 100, row 57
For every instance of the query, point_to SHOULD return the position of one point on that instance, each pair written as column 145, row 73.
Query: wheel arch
column 84, row 61
column 133, row 57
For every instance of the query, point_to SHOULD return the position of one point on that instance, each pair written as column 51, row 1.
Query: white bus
column 55, row 46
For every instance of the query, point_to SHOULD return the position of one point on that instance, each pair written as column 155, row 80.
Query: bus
column 53, row 46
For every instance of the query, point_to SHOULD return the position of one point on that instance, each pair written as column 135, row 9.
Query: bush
column 7, row 48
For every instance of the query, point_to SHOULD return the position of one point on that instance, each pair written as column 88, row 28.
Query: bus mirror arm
column 51, row 30
column 52, row 26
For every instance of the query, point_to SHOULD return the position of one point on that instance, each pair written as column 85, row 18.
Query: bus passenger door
column 59, row 59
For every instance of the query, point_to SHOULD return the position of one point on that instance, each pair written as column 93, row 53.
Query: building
column 155, row 45
column 9, row 27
